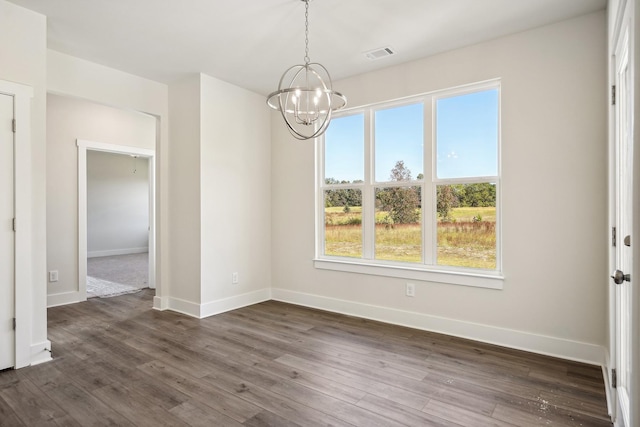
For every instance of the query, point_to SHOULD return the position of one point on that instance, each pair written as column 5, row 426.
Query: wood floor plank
column 462, row 416
column 85, row 408
column 197, row 414
column 542, row 413
column 8, row 377
column 413, row 398
column 578, row 402
column 119, row 362
column 347, row 412
column 219, row 400
column 92, row 374
column 315, row 382
column 137, row 408
column 32, row 405
column 8, row 417
column 403, row 414
column 269, row 419
column 273, row 402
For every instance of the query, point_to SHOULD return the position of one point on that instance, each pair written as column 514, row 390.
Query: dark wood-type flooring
column 118, row 362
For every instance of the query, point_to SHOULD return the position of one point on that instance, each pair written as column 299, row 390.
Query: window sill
column 489, row 280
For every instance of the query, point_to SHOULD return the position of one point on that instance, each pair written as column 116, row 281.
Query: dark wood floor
column 117, row 362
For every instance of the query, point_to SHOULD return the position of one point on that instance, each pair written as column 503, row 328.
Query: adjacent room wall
column 117, row 204
column 23, row 60
column 69, row 119
column 78, row 78
column 554, row 102
column 203, row 135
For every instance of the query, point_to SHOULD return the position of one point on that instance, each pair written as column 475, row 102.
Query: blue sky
column 344, row 148
column 466, row 130
column 399, row 136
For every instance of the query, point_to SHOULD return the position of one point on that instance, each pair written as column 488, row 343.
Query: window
column 411, row 188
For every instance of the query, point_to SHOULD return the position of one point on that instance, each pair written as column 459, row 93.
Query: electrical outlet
column 411, row 290
column 234, row 278
column 53, row 276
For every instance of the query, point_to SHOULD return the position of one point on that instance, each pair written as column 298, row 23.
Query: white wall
column 23, row 59
column 117, row 204
column 184, row 186
column 220, row 193
column 235, row 167
column 554, row 198
column 69, row 119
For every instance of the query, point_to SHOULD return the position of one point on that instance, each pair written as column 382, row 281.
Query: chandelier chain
column 306, row 32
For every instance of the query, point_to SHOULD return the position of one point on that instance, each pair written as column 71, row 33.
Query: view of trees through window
column 466, row 224
column 460, row 227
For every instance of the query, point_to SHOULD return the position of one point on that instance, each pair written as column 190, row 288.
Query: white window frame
column 427, row 270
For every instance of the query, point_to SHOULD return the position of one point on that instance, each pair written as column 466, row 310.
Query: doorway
column 117, row 223
column 136, row 161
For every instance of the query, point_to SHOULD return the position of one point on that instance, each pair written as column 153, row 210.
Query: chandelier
column 305, row 96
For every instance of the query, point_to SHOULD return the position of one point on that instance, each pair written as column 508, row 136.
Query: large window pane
column 343, row 222
column 377, row 153
column 399, row 139
column 398, row 235
column 467, row 135
column 344, row 150
column 467, row 225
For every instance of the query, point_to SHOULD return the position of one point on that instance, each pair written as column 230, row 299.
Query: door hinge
column 613, row 95
column 613, row 236
column 614, row 378
column 14, row 323
column 13, row 125
column 14, row 225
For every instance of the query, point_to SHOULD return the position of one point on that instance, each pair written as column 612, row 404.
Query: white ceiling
column 250, row 43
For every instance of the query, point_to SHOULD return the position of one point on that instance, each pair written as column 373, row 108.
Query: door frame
column 625, row 19
column 7, row 333
column 83, row 147
column 23, row 274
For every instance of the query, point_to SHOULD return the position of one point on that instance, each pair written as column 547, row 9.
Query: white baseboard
column 211, row 308
column 40, row 352
column 160, row 303
column 182, row 306
column 234, row 302
column 65, row 298
column 126, row 251
column 541, row 344
column 551, row 346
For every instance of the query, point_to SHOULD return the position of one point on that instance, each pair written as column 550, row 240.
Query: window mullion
column 368, row 196
column 498, row 226
column 428, row 189
column 320, row 219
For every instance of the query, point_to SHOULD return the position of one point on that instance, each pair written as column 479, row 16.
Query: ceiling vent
column 382, row 52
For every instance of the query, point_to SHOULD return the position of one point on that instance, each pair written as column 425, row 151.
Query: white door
column 7, row 307
column 623, row 216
